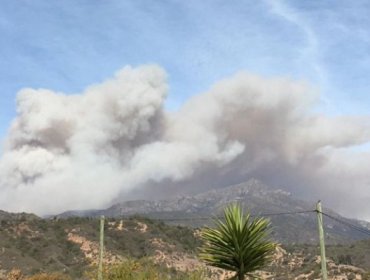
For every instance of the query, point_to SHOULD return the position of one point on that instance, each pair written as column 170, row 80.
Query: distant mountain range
column 256, row 197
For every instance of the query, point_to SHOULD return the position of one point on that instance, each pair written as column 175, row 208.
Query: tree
column 238, row 243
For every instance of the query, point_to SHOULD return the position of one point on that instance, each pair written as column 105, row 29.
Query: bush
column 14, row 274
column 143, row 269
column 46, row 276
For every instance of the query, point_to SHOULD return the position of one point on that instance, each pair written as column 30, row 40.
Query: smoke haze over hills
column 115, row 138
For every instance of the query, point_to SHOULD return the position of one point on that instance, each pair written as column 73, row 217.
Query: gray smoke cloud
column 114, row 139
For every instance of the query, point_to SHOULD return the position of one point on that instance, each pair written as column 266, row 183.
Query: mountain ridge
column 256, row 197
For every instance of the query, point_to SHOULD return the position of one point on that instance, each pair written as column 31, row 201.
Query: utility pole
column 101, row 249
column 322, row 241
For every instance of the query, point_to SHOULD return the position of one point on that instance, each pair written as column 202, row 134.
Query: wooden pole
column 322, row 240
column 101, row 249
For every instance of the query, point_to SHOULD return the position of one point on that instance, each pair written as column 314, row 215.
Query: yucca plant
column 237, row 243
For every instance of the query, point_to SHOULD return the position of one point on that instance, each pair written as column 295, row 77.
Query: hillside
column 71, row 246
column 255, row 196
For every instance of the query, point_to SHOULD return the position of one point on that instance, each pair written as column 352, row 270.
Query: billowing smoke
column 114, row 139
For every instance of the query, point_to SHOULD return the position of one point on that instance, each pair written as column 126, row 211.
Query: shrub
column 14, row 274
column 47, row 276
column 143, row 269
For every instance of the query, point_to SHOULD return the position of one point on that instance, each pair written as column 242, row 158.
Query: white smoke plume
column 86, row 150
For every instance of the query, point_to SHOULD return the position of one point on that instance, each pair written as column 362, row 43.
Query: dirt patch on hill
column 90, row 249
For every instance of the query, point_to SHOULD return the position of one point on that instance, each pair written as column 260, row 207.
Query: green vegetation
column 46, row 276
column 130, row 269
column 356, row 253
column 143, row 269
column 16, row 274
column 238, row 244
column 43, row 245
column 43, row 250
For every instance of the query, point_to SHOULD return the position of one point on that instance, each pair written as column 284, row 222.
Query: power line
column 359, row 229
column 222, row 217
column 283, row 213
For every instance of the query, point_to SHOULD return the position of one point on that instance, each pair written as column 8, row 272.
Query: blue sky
column 70, row 44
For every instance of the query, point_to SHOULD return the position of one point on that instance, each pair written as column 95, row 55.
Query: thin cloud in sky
column 310, row 53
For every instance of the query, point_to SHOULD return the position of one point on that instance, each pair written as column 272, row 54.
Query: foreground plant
column 237, row 243
column 48, row 276
column 143, row 269
column 16, row 274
